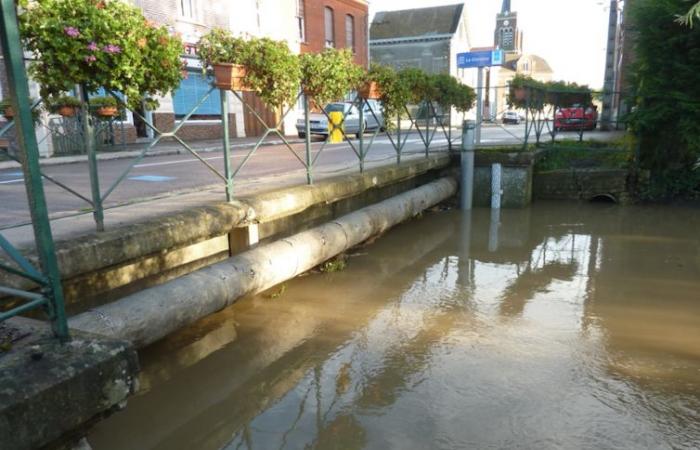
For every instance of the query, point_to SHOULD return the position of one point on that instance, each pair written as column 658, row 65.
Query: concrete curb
column 60, row 160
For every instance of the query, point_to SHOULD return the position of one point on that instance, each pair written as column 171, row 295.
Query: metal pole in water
column 467, row 160
column 496, row 189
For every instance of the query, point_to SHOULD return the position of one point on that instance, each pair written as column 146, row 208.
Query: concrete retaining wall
column 582, row 184
column 517, row 169
column 102, row 267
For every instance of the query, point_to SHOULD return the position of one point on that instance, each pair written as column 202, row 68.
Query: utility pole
column 610, row 70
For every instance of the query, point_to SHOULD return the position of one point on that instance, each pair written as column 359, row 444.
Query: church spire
column 506, row 7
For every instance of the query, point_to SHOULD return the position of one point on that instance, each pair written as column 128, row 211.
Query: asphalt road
column 158, row 175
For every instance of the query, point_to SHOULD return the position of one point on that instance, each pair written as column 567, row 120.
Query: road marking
column 179, row 161
column 12, row 181
column 152, row 178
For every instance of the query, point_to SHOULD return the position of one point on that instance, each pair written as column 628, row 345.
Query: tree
column 666, row 87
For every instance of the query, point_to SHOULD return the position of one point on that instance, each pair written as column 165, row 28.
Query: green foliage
column 692, row 14
column 55, row 103
column 329, row 75
column 575, row 154
column 537, row 94
column 394, row 94
column 666, row 89
column 220, row 46
column 336, row 264
column 103, row 102
column 99, row 44
column 449, row 92
column 420, row 86
column 273, row 71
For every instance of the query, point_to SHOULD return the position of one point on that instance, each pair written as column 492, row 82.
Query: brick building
column 334, row 23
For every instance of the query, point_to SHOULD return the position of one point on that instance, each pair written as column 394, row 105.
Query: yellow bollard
column 335, row 135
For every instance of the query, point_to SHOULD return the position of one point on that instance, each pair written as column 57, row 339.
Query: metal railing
column 47, row 277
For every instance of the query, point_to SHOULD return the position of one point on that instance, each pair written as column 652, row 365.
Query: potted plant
column 420, row 85
column 99, row 44
column 393, row 92
column 565, row 95
column 104, row 107
column 226, row 55
column 273, row 71
column 65, row 105
column 8, row 110
column 329, row 75
column 451, row 93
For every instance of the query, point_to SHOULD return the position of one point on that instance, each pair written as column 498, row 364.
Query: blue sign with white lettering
column 480, row 59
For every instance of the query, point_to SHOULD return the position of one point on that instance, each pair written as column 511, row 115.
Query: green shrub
column 99, row 44
column 328, row 76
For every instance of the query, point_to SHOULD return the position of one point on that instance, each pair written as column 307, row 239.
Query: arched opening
column 603, row 198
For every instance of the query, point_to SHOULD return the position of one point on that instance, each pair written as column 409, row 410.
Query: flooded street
column 562, row 326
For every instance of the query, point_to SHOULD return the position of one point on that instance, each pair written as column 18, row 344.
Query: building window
column 330, row 28
column 191, row 90
column 187, row 8
column 350, row 32
column 507, row 38
column 301, row 20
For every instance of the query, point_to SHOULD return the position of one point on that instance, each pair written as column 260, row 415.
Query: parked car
column 576, row 118
column 511, row 117
column 351, row 122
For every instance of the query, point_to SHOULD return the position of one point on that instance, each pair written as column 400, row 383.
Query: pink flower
column 111, row 48
column 91, row 58
column 71, row 31
column 92, row 46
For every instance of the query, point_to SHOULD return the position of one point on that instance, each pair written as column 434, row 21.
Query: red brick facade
column 315, row 25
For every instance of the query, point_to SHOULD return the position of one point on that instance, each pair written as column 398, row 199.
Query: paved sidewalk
column 162, row 148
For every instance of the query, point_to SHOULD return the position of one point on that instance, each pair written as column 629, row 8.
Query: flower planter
column 519, row 93
column 230, row 77
column 67, row 111
column 370, row 91
column 106, row 111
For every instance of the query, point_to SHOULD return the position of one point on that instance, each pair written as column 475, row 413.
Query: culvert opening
column 603, row 198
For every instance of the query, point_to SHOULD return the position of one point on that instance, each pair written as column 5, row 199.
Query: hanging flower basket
column 520, row 93
column 67, row 110
column 370, row 91
column 107, row 111
column 9, row 112
column 230, row 77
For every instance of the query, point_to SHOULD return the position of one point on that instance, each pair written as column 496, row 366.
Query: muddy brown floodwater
column 562, row 326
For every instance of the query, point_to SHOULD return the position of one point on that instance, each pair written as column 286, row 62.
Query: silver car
column 351, row 122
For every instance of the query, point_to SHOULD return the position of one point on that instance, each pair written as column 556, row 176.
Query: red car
column 576, row 118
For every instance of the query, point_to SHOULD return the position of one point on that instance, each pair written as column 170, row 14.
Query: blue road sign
column 480, row 59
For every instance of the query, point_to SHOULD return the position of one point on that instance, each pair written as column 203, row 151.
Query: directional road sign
column 480, row 59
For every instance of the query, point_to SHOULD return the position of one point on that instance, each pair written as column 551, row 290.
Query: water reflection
column 559, row 327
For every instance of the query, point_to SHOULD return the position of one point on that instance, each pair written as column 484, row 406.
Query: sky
column 570, row 34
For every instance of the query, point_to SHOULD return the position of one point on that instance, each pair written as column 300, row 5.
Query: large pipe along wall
column 149, row 315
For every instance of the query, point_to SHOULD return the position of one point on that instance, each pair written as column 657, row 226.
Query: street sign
column 480, row 59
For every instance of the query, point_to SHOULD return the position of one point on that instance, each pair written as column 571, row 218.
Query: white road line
column 12, row 181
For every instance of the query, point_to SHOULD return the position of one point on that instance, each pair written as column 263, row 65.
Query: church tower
column 507, row 36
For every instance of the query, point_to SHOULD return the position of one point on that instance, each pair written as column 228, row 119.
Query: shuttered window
column 329, row 28
column 190, row 92
column 350, row 32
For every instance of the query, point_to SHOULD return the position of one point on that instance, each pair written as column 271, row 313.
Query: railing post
column 223, row 93
column 362, row 134
column 307, row 141
column 17, row 78
column 398, row 138
column 90, row 144
column 427, row 129
column 449, row 130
